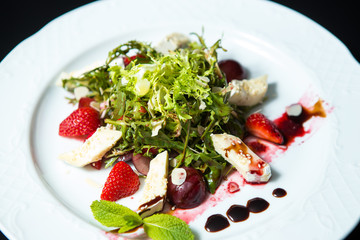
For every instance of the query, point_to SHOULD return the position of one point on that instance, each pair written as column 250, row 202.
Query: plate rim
column 41, row 34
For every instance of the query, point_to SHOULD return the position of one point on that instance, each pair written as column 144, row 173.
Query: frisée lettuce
column 165, row 101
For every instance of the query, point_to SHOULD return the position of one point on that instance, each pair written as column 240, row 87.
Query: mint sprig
column 167, row 227
column 158, row 226
column 111, row 214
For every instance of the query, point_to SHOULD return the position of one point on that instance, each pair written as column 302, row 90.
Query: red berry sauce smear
column 293, row 128
column 309, row 121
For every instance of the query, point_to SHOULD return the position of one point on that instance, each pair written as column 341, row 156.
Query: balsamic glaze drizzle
column 239, row 213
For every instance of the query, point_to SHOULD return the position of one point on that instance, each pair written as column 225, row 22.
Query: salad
column 173, row 114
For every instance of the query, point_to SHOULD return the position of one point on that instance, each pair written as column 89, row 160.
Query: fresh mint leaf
column 157, row 227
column 167, row 227
column 111, row 214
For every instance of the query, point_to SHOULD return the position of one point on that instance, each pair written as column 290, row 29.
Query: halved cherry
column 232, row 69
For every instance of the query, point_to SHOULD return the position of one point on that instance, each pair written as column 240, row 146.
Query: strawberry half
column 82, row 121
column 85, row 102
column 121, row 182
column 258, row 125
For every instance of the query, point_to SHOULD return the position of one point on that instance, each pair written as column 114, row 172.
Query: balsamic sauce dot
column 279, row 193
column 257, row 205
column 216, row 222
column 238, row 213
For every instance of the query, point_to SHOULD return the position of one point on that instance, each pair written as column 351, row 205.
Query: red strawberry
column 82, row 121
column 258, row 125
column 121, row 182
column 85, row 102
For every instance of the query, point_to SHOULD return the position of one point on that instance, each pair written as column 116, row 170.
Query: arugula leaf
column 111, row 214
column 214, row 172
column 167, row 227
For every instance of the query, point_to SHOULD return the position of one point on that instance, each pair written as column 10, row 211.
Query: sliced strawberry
column 82, row 121
column 85, row 102
column 127, row 60
column 121, row 182
column 97, row 165
column 258, row 125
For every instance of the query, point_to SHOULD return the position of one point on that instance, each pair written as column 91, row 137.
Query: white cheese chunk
column 172, row 42
column 156, row 126
column 81, row 92
column 247, row 92
column 154, row 193
column 246, row 162
column 93, row 149
column 142, row 86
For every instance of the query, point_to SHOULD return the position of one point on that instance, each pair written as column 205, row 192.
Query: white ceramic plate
column 43, row 198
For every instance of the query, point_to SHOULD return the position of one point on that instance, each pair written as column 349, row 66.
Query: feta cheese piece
column 247, row 92
column 172, row 42
column 93, row 149
column 81, row 92
column 153, row 198
column 246, row 162
column 142, row 86
column 156, row 126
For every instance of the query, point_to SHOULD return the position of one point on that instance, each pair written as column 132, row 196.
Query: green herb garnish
column 157, row 226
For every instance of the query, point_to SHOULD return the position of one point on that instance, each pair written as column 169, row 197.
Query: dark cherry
column 191, row 193
column 232, row 70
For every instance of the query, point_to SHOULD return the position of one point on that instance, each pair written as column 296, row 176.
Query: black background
column 21, row 19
